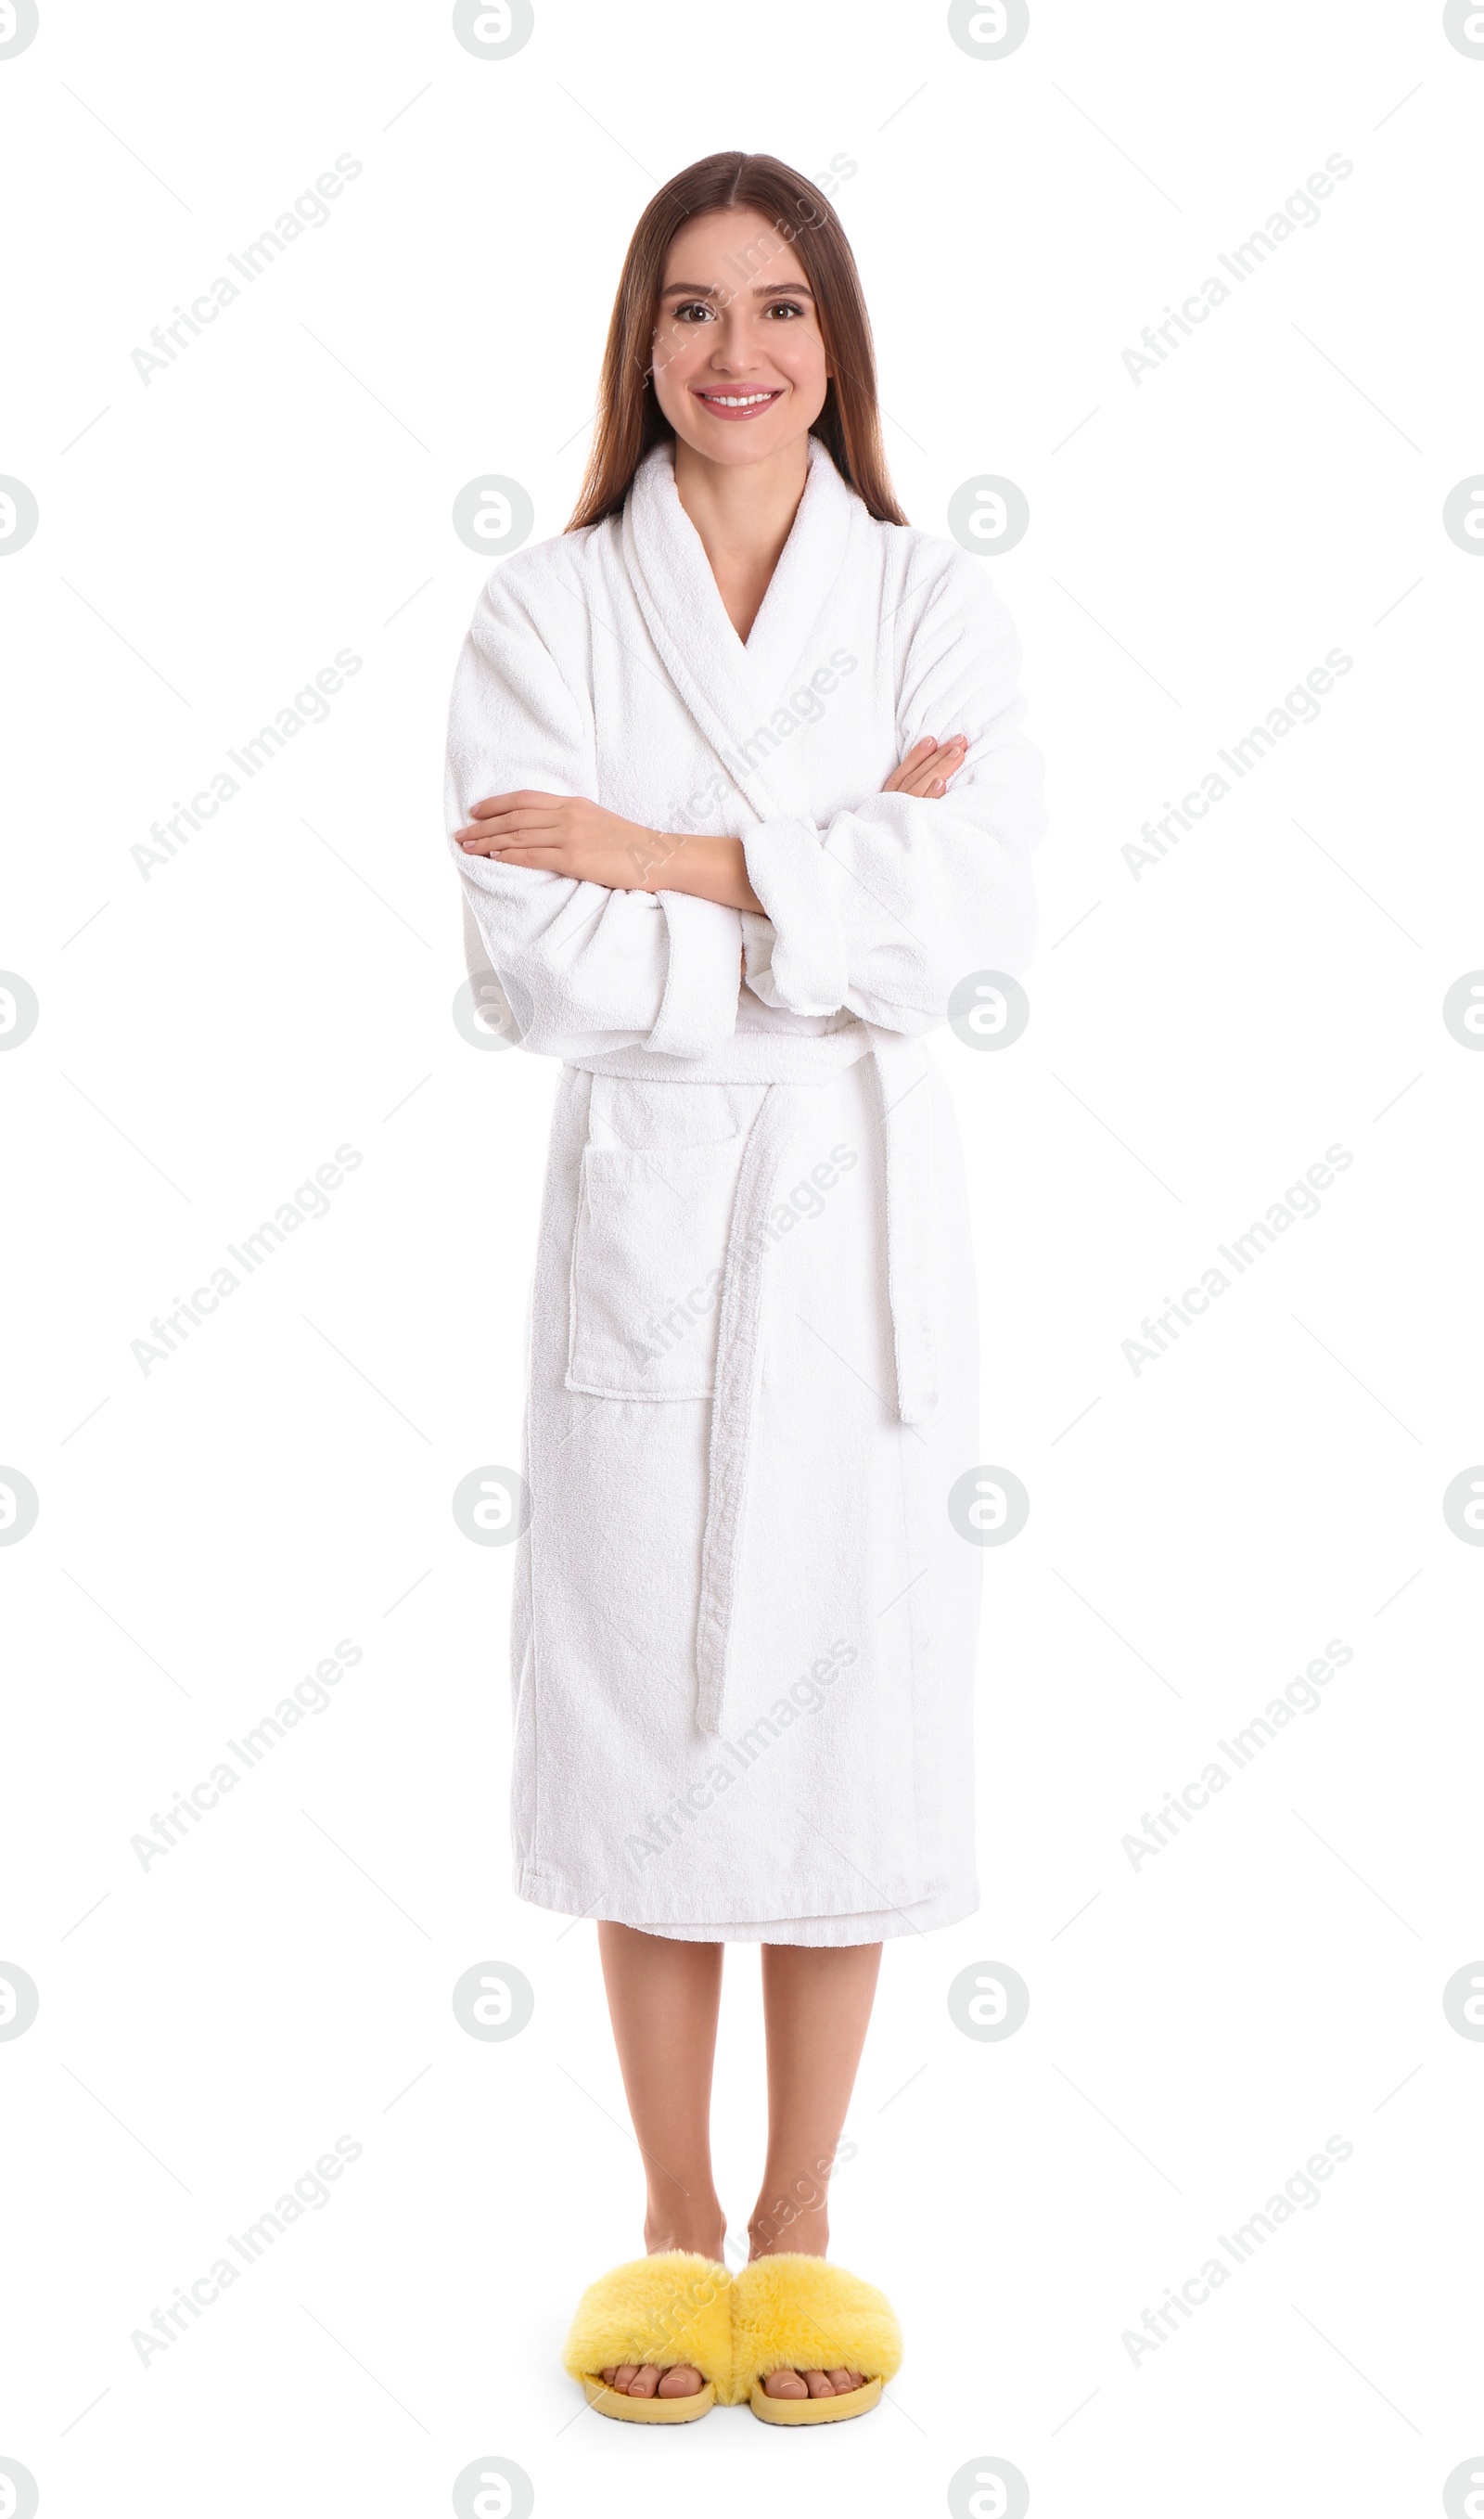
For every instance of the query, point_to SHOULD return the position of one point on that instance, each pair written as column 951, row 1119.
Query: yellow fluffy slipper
column 798, row 2312
column 668, row 2308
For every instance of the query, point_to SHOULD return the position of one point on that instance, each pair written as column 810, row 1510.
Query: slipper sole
column 814, row 2409
column 648, row 2410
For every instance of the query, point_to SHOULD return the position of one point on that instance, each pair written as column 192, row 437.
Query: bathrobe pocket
column 647, row 1261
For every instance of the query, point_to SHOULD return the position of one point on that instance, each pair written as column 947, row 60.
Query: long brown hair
column 629, row 421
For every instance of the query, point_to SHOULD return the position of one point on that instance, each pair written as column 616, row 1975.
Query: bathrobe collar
column 729, row 688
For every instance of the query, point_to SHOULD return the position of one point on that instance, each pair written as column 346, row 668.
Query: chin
column 721, row 441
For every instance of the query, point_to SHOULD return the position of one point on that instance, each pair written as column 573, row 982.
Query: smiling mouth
column 738, row 406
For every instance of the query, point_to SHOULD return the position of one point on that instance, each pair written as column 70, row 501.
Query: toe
column 816, row 2383
column 645, row 2380
column 842, row 2381
column 682, row 2380
column 624, row 2373
column 784, row 2383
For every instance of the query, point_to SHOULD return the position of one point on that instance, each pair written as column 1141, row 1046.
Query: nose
column 731, row 352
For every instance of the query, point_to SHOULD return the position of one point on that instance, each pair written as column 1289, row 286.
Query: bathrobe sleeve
column 885, row 907
column 586, row 970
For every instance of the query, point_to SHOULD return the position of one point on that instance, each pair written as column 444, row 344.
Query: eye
column 694, row 306
column 784, row 306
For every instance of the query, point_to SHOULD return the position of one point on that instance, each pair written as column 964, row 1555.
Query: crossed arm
column 571, row 836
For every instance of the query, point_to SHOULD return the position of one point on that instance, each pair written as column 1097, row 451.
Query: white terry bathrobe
column 744, row 1630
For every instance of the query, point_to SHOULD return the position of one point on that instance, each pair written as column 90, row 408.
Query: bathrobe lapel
column 729, row 689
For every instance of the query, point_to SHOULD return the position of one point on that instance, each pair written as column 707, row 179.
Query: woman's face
column 739, row 364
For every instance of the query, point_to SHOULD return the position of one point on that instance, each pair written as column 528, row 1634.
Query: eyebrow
column 766, row 289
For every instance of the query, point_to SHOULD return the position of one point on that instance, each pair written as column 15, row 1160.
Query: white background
column 1198, row 1531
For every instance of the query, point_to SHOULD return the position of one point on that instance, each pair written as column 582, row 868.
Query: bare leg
column 818, row 2007
column 663, row 2000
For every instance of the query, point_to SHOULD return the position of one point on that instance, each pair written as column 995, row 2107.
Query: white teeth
column 737, row 402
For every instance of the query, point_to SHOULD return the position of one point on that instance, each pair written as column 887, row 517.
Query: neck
column 742, row 511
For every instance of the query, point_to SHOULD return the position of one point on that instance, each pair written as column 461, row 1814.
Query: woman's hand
column 926, row 768
column 568, row 835
column 565, row 835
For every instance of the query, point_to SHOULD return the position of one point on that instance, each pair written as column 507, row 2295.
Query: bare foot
column 812, row 2384
column 665, row 2379
column 653, row 2379
column 839, row 2382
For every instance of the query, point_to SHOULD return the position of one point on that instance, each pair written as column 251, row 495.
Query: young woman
column 738, row 792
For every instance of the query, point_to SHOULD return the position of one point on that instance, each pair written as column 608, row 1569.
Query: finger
column 507, row 847
column 517, row 853
column 547, row 861
column 938, row 758
column 516, row 796
column 932, row 774
column 928, row 782
column 912, row 759
column 538, row 815
column 930, row 748
column 515, row 835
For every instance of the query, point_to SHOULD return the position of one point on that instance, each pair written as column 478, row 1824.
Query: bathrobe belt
column 901, row 1074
